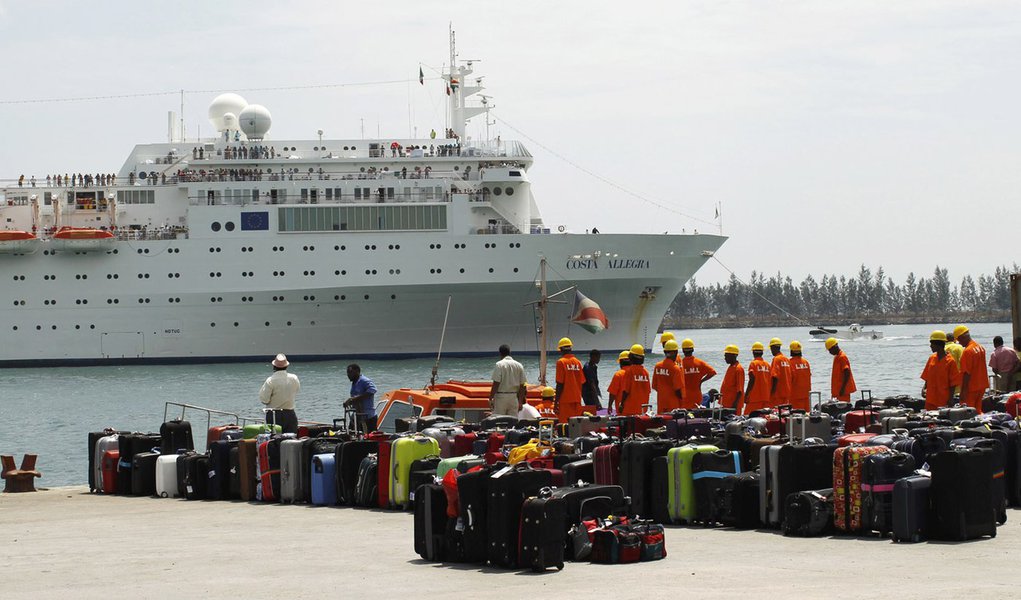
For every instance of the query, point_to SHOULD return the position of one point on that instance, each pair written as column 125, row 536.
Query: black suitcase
column 348, row 458
column 804, row 467
column 708, row 470
column 737, row 501
column 579, row 471
column 366, row 489
column 143, row 474
column 196, row 474
column 879, row 474
column 636, row 471
column 130, row 444
column 911, row 510
column 423, row 423
column 430, row 521
column 234, row 474
column 658, row 497
column 962, row 494
column 503, row 514
column 499, row 422
column 587, row 444
column 999, row 467
column 921, row 446
column 182, row 472
column 473, row 498
column 218, row 486
column 543, row 533
column 808, row 513
column 1011, row 440
column 176, row 436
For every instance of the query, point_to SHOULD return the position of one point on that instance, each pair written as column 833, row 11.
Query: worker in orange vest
column 732, row 388
column 668, row 381
column 759, row 380
column 617, row 382
column 780, row 373
column 801, row 379
column 940, row 374
column 841, row 380
column 696, row 372
column 974, row 377
column 637, row 388
column 569, row 382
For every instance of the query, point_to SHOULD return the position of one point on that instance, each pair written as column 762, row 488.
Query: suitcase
column 961, row 494
column 684, row 428
column 218, row 486
column 886, row 439
column 659, row 490
column 708, row 471
column 182, row 472
column 910, row 509
column 404, row 452
column 636, row 468
column 423, row 423
column 248, row 458
column 808, row 513
column 788, row 469
column 750, row 446
column 606, row 462
column 143, row 474
column 130, row 444
column 383, row 473
column 464, row 443
column 166, row 476
column 454, row 462
column 579, row 471
column 848, row 463
column 323, row 484
column 430, row 522
column 366, row 492
column 999, row 467
column 587, row 444
column 835, row 408
column 217, row 433
column 737, row 500
column 581, row 426
column 542, row 533
column 234, row 473
column 1011, row 441
column 801, row 426
column 253, row 430
column 680, row 482
column 499, row 422
column 857, row 420
column 444, row 437
column 196, row 474
column 854, row 439
column 97, row 473
column 891, row 423
column 295, row 478
column 473, row 501
column 632, row 425
column 508, row 488
column 957, row 413
column 348, row 457
column 175, row 436
column 326, row 444
column 109, row 465
column 880, row 474
column 268, row 489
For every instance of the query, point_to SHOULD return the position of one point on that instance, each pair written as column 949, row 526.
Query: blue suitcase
column 324, row 487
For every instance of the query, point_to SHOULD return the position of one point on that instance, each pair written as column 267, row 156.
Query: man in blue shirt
column 363, row 398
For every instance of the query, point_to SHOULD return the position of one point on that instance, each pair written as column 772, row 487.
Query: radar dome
column 230, row 121
column 223, row 104
column 255, row 121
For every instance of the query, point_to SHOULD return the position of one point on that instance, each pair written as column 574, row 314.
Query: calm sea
column 50, row 411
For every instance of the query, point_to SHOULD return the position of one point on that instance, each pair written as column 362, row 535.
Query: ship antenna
column 443, row 333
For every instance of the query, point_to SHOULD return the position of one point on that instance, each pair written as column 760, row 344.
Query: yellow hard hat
column 667, row 336
column 638, row 350
column 795, row 346
column 830, row 342
column 938, row 336
column 670, row 346
column 775, row 342
column 688, row 344
column 732, row 349
column 758, row 346
column 960, row 330
column 548, row 392
column 624, row 356
column 564, row 343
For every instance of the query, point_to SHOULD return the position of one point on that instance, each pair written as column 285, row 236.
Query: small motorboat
column 853, row 332
column 82, row 239
column 18, row 242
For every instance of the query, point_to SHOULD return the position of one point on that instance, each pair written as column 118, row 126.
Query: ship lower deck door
column 122, row 344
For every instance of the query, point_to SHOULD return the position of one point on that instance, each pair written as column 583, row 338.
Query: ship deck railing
column 237, row 419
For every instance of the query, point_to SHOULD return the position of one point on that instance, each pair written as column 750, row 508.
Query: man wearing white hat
column 278, row 394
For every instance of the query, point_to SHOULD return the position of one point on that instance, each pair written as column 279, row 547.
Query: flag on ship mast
column 588, row 315
column 421, row 76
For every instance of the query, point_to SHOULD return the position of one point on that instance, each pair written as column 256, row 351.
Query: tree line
column 871, row 296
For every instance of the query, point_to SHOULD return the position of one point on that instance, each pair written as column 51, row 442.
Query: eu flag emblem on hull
column 254, row 221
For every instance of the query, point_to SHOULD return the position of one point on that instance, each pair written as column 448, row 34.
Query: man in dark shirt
column 590, row 393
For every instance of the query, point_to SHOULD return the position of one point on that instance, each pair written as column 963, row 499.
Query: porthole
column 462, row 270
column 229, row 226
column 215, row 226
column 53, row 327
column 509, row 191
column 93, row 326
column 139, row 250
column 490, row 269
column 515, row 269
column 393, row 296
column 288, row 323
column 267, row 323
column 76, row 327
column 38, row 327
column 235, row 323
column 212, row 324
column 15, row 328
column 366, row 296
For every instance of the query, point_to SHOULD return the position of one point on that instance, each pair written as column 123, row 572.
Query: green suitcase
column 405, row 451
column 449, row 464
column 680, row 485
column 252, row 430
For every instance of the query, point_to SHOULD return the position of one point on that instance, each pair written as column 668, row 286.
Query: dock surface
column 65, row 542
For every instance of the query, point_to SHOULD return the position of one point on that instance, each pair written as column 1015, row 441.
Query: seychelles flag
column 588, row 314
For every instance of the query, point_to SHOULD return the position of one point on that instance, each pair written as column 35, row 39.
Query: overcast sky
column 833, row 133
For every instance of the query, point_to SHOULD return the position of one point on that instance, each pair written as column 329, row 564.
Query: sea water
column 49, row 411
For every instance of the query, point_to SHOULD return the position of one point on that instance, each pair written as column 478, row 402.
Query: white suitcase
column 166, row 476
column 294, row 477
column 801, row 426
column 110, row 442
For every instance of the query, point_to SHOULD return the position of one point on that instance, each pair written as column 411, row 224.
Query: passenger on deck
column 278, row 393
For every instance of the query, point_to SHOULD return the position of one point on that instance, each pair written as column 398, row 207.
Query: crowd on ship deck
column 72, row 180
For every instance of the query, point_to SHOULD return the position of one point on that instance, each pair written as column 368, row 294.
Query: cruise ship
column 240, row 246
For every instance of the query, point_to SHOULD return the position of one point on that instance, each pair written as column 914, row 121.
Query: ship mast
column 542, row 304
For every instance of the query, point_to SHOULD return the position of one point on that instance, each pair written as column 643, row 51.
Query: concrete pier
column 67, row 543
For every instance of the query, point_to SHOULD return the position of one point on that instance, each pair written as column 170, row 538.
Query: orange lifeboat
column 17, row 242
column 82, row 239
column 460, row 400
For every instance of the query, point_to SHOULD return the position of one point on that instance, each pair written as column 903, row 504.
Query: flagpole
column 542, row 321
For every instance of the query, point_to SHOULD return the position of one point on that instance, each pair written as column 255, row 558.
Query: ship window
column 497, row 191
column 509, row 191
column 215, row 226
column 514, row 173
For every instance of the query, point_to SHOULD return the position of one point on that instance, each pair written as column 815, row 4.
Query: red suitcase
column 463, row 444
column 266, row 474
column 495, row 442
column 848, row 464
column 383, row 474
column 852, row 439
column 109, row 469
column 606, row 461
column 859, row 419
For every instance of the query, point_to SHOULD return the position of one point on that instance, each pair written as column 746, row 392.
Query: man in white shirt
column 508, row 384
column 278, row 394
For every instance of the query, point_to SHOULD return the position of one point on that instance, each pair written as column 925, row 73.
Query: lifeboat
column 461, row 400
column 17, row 242
column 82, row 239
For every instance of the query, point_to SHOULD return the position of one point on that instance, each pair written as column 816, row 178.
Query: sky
column 831, row 133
